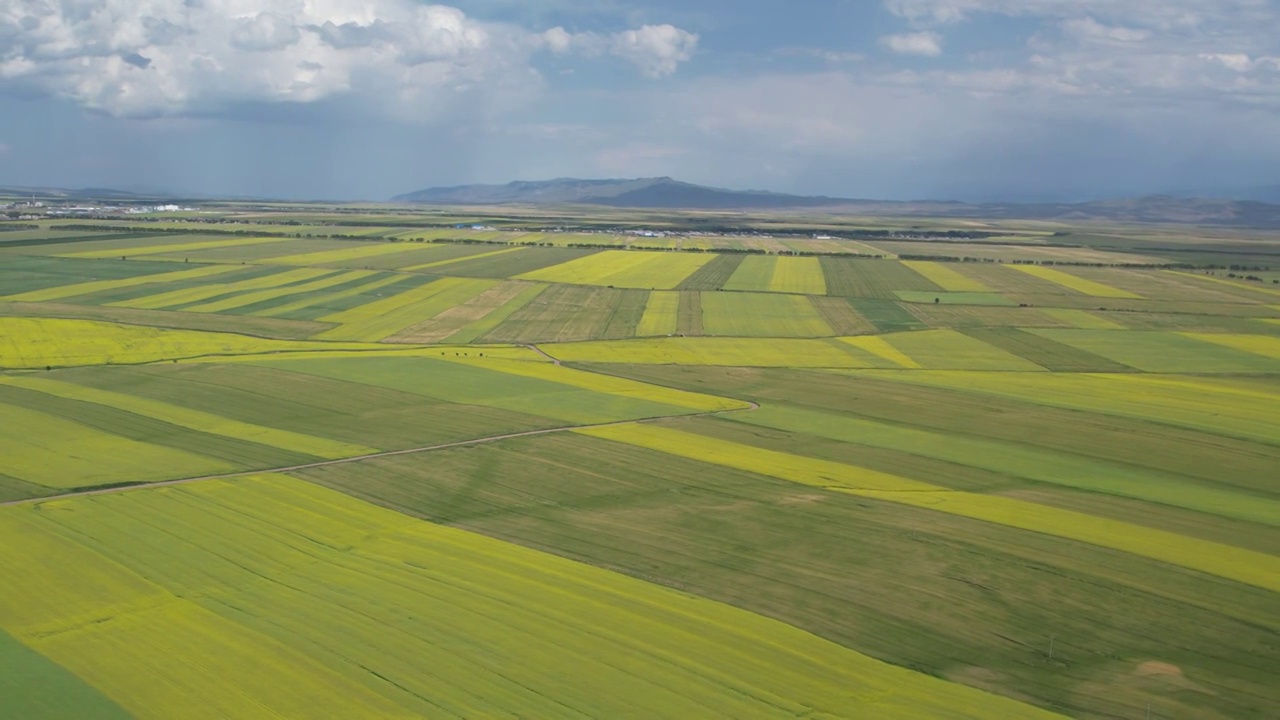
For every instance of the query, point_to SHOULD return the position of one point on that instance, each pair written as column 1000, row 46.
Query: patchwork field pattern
column 456, row 468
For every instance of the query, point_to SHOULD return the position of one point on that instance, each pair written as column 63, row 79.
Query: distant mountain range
column 666, row 193
column 1253, row 207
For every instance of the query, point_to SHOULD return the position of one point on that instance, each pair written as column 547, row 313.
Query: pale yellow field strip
column 945, row 277
column 57, row 453
column 785, row 466
column 204, row 292
column 661, row 314
column 1232, row 283
column 1082, row 319
column 798, row 275
column 1246, row 566
column 250, row 298
column 308, row 302
column 597, row 382
column 880, row 347
column 366, row 250
column 194, row 419
column 1264, row 345
column 1072, row 282
column 451, row 261
column 174, row 248
column 156, row 655
column 84, row 288
column 383, row 318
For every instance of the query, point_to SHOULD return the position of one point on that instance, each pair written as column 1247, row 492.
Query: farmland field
column 530, row 463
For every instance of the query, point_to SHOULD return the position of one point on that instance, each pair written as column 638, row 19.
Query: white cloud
column 926, row 44
column 1143, row 52
column 656, row 49
column 1089, row 29
column 174, row 57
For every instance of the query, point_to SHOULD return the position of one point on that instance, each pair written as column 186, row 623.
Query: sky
column 1023, row 100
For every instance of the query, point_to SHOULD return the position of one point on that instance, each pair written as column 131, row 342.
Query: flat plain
column 302, row 464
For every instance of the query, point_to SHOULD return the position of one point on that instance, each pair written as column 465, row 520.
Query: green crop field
column 301, row 462
column 761, row 315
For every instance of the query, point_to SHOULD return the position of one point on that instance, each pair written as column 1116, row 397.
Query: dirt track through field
column 361, row 458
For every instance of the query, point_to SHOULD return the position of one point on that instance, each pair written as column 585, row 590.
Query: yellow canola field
column 625, row 269
column 737, row 352
column 60, row 454
column 364, row 250
column 383, row 318
column 597, row 382
column 204, row 292
column 798, row 275
column 249, row 298
column 173, row 247
column 158, row 656
column 93, row 286
column 1246, row 566
column 389, row 617
column 1072, row 282
column 193, row 419
column 946, row 278
column 1264, row 345
column 661, row 314
column 450, row 261
column 38, row 342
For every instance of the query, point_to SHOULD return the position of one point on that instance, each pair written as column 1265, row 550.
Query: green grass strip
column 194, row 419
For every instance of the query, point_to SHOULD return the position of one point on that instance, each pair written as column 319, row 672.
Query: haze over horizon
column 901, row 99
